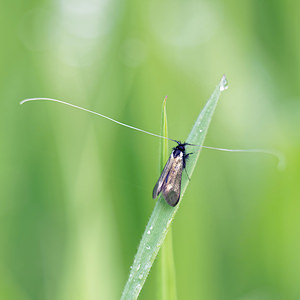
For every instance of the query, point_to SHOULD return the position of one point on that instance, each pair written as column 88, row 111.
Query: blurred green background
column 76, row 189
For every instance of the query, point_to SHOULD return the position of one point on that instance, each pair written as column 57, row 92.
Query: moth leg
column 187, row 175
column 186, row 156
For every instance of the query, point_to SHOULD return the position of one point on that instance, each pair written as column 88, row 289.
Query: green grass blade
column 167, row 281
column 163, row 214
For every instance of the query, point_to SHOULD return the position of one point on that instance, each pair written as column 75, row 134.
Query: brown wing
column 172, row 183
column 161, row 180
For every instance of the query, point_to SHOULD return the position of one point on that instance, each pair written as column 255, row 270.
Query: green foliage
column 167, row 280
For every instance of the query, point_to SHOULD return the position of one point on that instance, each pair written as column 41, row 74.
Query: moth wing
column 172, row 185
column 161, row 180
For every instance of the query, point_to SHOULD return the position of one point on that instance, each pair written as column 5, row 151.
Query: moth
column 169, row 182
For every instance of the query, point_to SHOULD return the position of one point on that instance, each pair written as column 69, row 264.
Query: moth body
column 169, row 182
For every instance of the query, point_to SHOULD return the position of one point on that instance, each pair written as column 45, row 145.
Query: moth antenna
column 98, row 114
column 281, row 165
column 281, row 158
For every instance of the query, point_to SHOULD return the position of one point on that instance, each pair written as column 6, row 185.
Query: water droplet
column 138, row 267
column 148, row 247
column 148, row 232
column 200, row 130
column 151, row 227
column 223, row 84
column 141, row 276
column 148, row 266
column 137, row 290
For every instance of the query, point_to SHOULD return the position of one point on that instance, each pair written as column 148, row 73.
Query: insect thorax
column 179, row 149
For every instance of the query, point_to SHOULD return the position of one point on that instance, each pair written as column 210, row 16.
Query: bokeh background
column 76, row 189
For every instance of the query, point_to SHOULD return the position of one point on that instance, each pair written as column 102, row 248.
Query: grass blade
column 163, row 214
column 167, row 280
